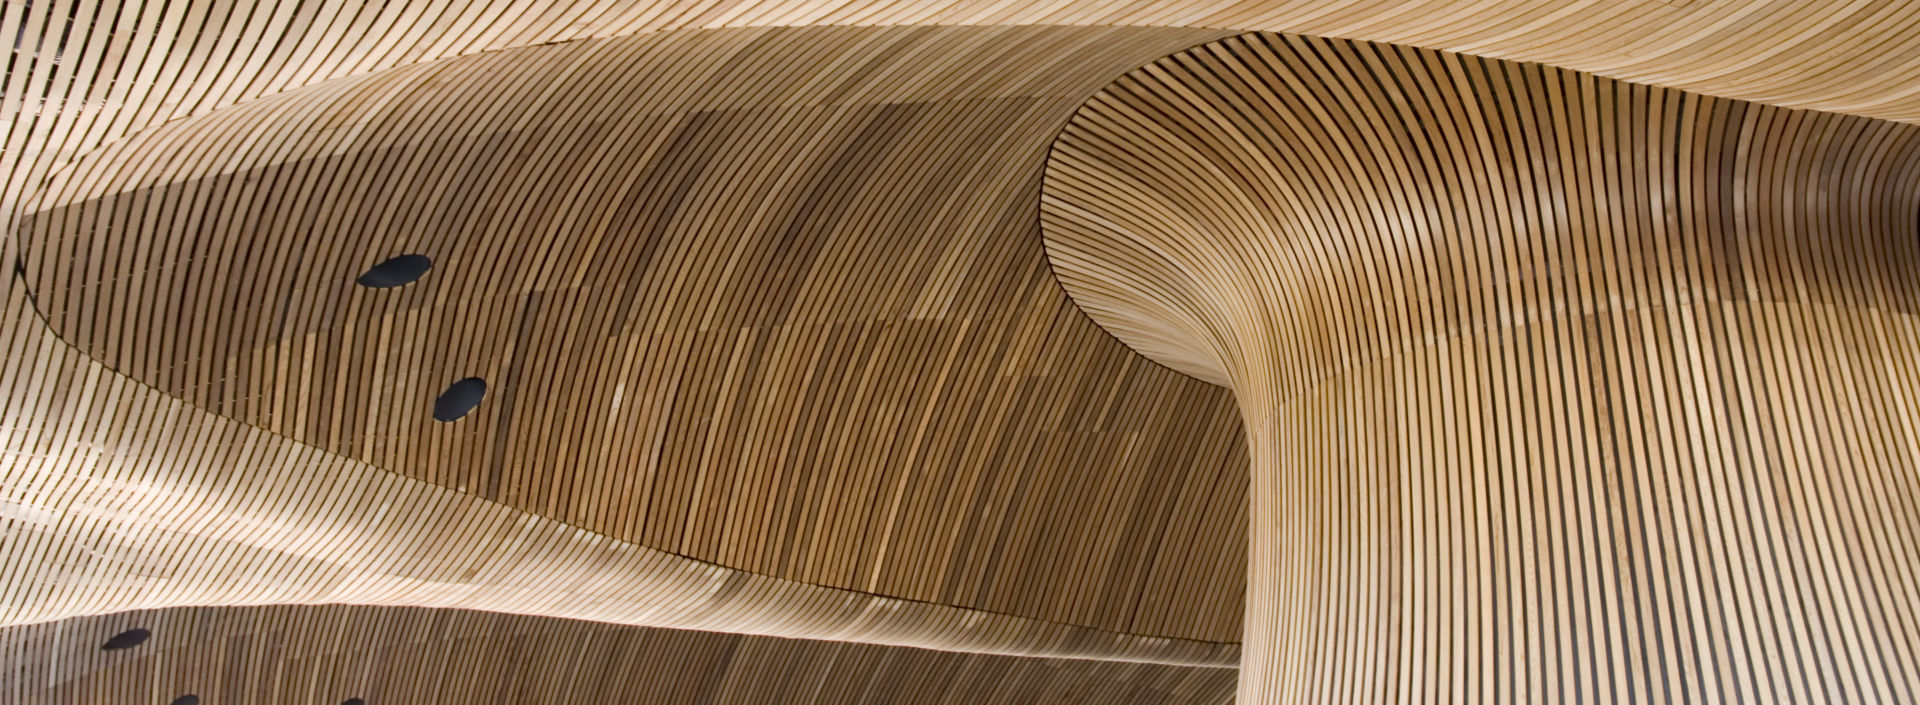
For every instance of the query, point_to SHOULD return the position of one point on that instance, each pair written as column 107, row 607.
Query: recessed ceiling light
column 399, row 271
column 127, row 639
column 459, row 399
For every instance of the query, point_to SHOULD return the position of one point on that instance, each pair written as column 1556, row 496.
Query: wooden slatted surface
column 89, row 71
column 390, row 656
column 710, row 321
column 121, row 497
column 1560, row 389
column 85, row 74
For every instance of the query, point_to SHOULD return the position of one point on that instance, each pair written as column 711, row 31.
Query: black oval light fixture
column 127, row 639
column 188, row 699
column 459, row 399
column 399, row 271
column 354, row 701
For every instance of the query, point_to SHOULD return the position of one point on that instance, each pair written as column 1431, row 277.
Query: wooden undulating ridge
column 755, row 380
column 86, row 72
column 1560, row 389
column 327, row 655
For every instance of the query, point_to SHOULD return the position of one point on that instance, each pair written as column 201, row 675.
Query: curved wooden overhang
column 333, row 653
column 117, row 78
column 722, row 350
column 1557, row 386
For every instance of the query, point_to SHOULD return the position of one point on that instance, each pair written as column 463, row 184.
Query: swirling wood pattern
column 1560, row 389
column 85, row 74
column 758, row 387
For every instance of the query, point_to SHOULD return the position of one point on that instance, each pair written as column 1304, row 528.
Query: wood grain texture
column 120, row 497
column 728, row 291
column 811, row 401
column 90, row 71
column 1560, row 389
column 327, row 654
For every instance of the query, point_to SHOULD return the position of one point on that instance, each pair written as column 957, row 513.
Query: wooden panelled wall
column 1560, row 389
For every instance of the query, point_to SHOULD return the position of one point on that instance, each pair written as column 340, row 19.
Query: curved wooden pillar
column 1560, row 389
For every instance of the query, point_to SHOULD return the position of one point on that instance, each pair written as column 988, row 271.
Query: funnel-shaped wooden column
column 1560, row 389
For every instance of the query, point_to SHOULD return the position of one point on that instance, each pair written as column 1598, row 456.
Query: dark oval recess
column 399, row 271
column 127, row 639
column 354, row 701
column 188, row 699
column 459, row 399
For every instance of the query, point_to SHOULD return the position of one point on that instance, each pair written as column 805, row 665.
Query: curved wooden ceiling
column 1558, row 387
column 763, row 310
column 121, row 497
column 711, row 324
column 329, row 654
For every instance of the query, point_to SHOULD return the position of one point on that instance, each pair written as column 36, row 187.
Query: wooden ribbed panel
column 730, row 304
column 119, row 497
column 1560, row 389
column 89, row 71
column 409, row 656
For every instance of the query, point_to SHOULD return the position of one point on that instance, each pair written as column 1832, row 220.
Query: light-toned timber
column 712, row 325
column 960, row 459
column 701, row 417
column 126, row 498
column 1560, row 389
column 328, row 654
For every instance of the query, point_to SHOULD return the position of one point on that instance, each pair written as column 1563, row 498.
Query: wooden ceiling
column 725, row 335
column 771, row 343
column 331, row 654
column 1559, row 388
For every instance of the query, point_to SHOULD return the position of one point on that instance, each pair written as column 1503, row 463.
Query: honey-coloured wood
column 771, row 346
column 1559, row 388
column 121, row 497
column 331, row 655
column 714, row 293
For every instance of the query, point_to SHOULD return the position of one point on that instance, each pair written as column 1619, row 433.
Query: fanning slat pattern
column 84, row 73
column 327, row 655
column 1560, row 389
column 119, row 497
column 768, row 298
column 835, row 395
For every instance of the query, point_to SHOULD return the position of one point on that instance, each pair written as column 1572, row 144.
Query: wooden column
column 1559, row 388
